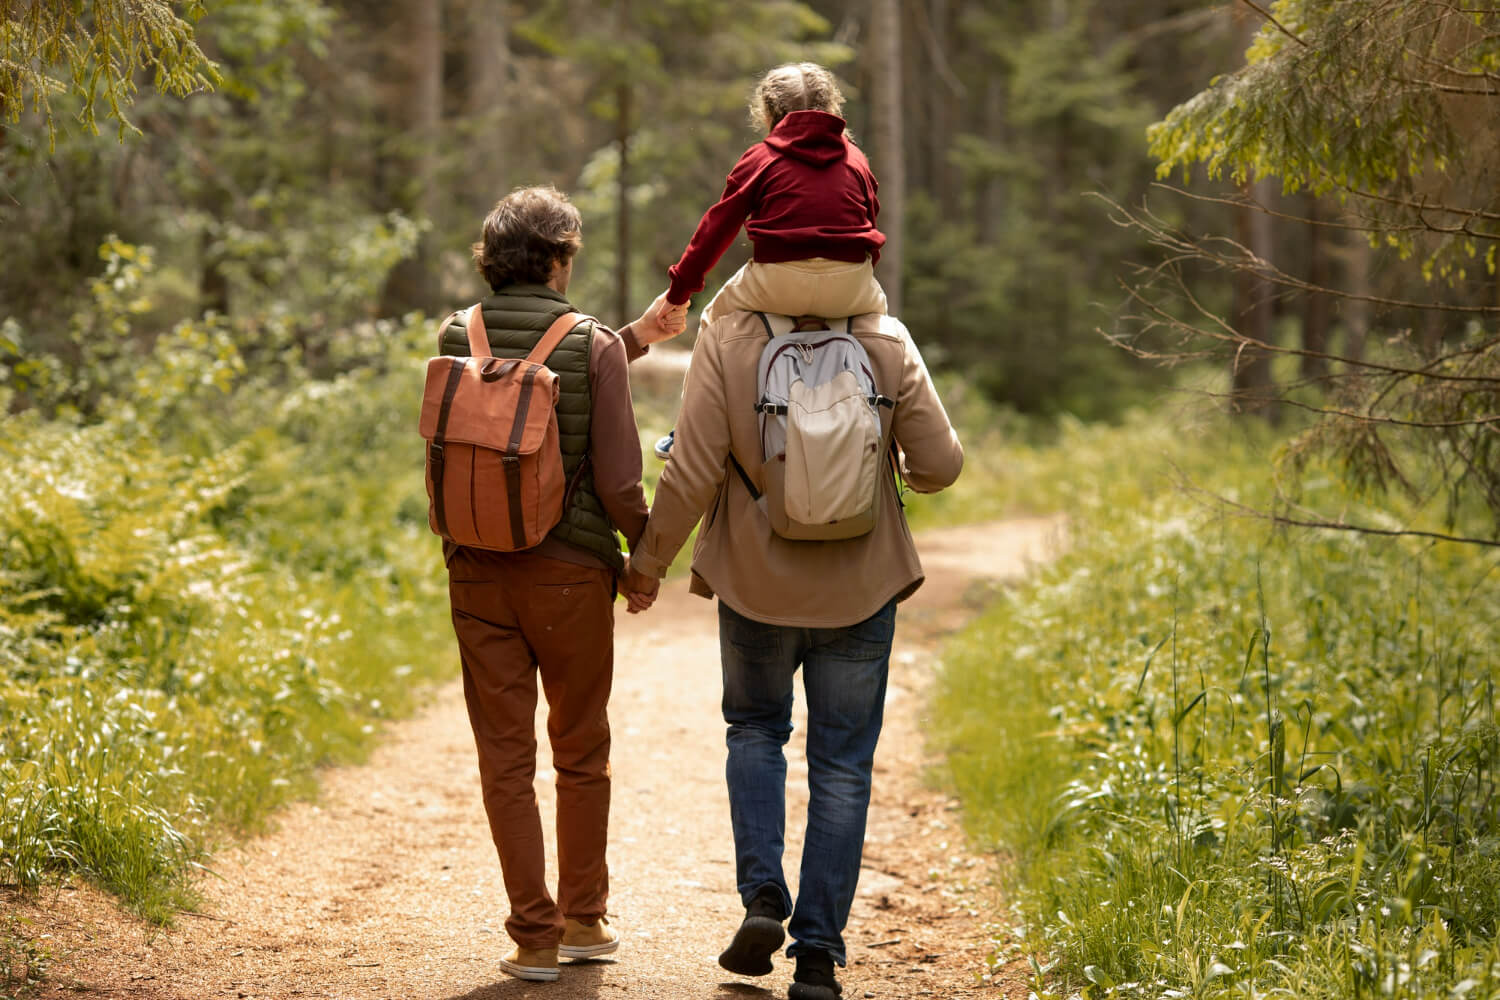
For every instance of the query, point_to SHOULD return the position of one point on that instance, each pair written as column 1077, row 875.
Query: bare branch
column 1277, row 24
column 1232, row 336
column 1323, row 524
column 1243, row 258
column 1372, row 227
column 1373, row 418
column 1421, row 206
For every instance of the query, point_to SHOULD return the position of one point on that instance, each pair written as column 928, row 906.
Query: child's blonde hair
column 793, row 87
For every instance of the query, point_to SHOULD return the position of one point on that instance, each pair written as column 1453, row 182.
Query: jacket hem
column 898, row 595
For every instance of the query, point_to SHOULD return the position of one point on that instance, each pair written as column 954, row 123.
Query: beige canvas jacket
column 760, row 574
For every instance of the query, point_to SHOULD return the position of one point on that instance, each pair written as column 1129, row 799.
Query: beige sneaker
column 538, row 965
column 582, row 940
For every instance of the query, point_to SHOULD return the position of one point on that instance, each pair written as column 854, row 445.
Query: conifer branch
column 1263, row 12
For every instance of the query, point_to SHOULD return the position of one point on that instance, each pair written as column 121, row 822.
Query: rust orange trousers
column 518, row 616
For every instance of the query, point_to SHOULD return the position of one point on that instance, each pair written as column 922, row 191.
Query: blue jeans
column 844, row 674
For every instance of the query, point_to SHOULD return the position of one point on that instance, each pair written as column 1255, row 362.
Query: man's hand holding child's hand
column 661, row 321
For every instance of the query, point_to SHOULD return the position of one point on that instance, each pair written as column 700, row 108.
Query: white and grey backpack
column 824, row 432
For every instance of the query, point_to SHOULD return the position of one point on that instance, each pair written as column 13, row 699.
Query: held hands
column 661, row 321
column 638, row 588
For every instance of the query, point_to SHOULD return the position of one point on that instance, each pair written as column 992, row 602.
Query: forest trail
column 388, row 886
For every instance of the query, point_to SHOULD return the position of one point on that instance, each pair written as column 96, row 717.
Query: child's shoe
column 664, row 445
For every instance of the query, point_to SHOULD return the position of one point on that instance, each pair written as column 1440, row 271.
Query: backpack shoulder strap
column 479, row 338
column 560, row 328
column 745, row 478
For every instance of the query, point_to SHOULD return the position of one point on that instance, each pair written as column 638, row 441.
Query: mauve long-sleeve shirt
column 614, row 444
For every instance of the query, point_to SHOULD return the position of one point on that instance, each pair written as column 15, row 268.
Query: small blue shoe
column 664, row 445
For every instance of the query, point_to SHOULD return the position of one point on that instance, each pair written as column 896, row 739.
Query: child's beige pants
column 831, row 289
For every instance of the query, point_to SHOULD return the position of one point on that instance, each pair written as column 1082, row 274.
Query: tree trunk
column 488, row 51
column 1357, row 308
column 886, row 141
column 1254, row 308
column 917, row 121
column 1315, row 312
column 213, row 284
column 1252, row 388
column 989, row 207
column 942, row 105
column 413, row 283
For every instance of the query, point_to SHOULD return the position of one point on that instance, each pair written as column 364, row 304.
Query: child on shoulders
column 807, row 199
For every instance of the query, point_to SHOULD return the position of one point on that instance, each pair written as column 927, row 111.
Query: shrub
column 1230, row 762
column 218, row 587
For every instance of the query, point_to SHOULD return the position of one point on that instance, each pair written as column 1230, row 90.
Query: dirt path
column 388, row 887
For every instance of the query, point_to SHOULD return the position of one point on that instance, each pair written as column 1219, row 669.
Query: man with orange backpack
column 523, row 607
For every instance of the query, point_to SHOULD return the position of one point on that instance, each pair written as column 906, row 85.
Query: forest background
column 216, row 571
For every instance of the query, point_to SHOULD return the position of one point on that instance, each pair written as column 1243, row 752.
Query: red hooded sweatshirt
column 806, row 191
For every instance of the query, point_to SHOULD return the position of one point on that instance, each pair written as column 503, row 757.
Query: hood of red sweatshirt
column 814, row 137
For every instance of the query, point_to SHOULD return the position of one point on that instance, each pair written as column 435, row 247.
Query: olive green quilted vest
column 515, row 319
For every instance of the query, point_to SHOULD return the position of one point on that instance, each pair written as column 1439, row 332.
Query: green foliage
column 1016, row 308
column 100, row 50
column 1387, row 102
column 221, row 585
column 255, row 207
column 1334, row 98
column 1231, row 763
column 1432, row 447
column 1389, row 105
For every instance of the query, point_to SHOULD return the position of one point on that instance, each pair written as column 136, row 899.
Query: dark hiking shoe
column 759, row 936
column 813, row 979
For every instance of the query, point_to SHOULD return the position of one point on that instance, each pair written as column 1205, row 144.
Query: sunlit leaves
column 97, row 51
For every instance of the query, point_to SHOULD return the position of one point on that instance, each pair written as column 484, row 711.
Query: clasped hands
column 638, row 588
column 661, row 321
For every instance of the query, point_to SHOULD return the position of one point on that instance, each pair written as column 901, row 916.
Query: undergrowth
column 1230, row 762
column 207, row 591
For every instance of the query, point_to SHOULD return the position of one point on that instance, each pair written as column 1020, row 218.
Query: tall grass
column 204, row 597
column 1231, row 762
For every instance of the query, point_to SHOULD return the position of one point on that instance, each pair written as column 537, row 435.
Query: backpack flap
column 504, row 404
column 494, row 465
column 499, row 403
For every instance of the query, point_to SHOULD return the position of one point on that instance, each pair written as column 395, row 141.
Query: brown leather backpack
column 494, row 466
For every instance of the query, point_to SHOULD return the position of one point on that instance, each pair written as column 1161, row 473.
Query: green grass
column 202, row 600
column 1225, row 761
